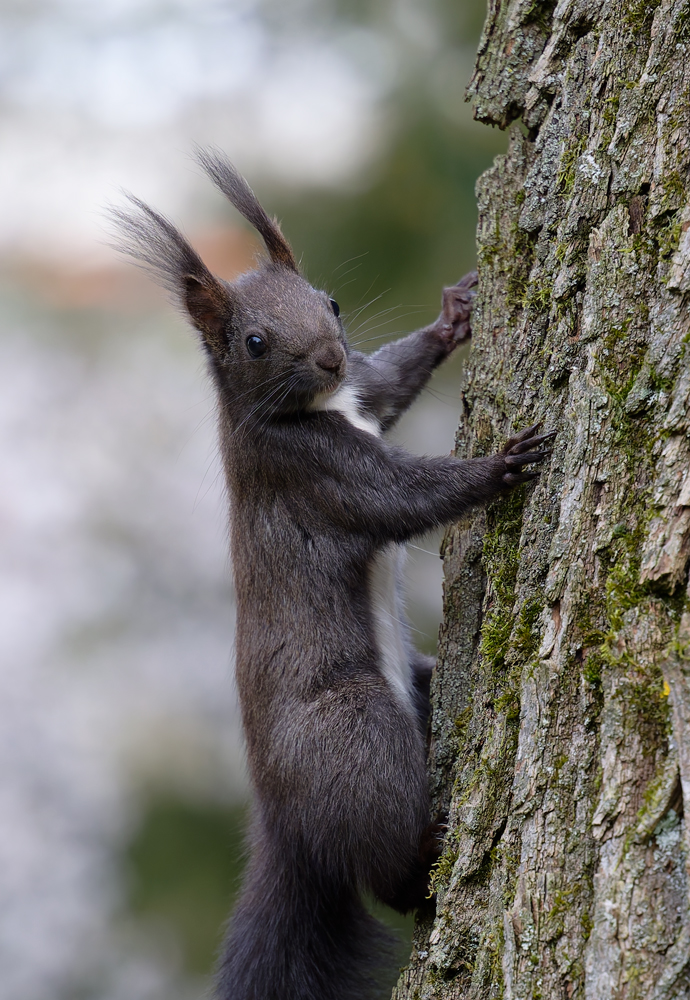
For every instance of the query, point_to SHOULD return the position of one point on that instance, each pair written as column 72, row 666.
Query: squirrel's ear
column 235, row 188
column 210, row 308
column 160, row 248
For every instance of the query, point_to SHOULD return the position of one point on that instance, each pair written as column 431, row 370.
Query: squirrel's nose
column 330, row 359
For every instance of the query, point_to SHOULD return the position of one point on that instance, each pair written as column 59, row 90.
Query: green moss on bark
column 563, row 766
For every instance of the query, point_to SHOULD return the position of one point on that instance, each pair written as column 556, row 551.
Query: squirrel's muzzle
column 330, row 358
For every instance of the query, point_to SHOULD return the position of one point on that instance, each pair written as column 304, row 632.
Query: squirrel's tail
column 299, row 936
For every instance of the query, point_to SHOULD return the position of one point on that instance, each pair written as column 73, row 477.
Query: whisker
column 261, row 402
column 399, row 307
column 406, row 624
column 368, row 319
column 365, row 327
column 286, row 388
column 274, row 398
column 402, row 309
column 349, row 260
column 198, row 499
column 453, row 401
column 357, row 256
column 366, row 305
column 268, row 381
column 182, row 444
column 277, row 403
column 427, row 552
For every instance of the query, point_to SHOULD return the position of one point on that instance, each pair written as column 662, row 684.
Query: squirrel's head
column 275, row 343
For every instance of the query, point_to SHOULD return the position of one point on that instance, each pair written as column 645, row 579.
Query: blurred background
column 122, row 784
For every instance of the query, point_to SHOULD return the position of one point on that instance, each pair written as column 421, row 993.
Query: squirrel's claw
column 532, row 442
column 521, row 450
column 517, row 478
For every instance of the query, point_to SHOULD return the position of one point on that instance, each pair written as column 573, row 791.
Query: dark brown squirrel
column 334, row 697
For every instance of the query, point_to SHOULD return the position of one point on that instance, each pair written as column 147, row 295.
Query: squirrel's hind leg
column 412, row 891
column 422, row 667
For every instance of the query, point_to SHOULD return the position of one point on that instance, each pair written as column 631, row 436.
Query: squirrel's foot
column 413, row 892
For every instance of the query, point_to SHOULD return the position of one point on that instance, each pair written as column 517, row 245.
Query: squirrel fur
column 334, row 696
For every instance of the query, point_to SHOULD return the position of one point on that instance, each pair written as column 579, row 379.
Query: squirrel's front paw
column 520, row 450
column 454, row 321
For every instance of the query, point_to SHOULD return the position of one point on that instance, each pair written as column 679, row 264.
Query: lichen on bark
column 560, row 741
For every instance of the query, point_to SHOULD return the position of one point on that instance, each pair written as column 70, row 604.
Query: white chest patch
column 344, row 400
column 385, row 571
column 389, row 621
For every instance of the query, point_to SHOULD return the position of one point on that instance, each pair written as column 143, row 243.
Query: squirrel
column 334, row 698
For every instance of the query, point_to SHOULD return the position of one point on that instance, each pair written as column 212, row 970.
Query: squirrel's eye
column 256, row 347
column 335, row 307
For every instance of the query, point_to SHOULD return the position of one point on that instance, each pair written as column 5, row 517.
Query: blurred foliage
column 457, row 22
column 184, row 868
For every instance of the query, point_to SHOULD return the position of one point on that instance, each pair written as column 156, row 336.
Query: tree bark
column 560, row 744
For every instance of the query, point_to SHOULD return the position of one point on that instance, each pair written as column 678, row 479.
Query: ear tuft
column 235, row 188
column 155, row 243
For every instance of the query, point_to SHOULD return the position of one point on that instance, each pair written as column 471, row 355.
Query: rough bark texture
column 561, row 729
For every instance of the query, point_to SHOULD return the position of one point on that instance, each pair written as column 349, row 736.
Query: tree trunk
column 561, row 730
